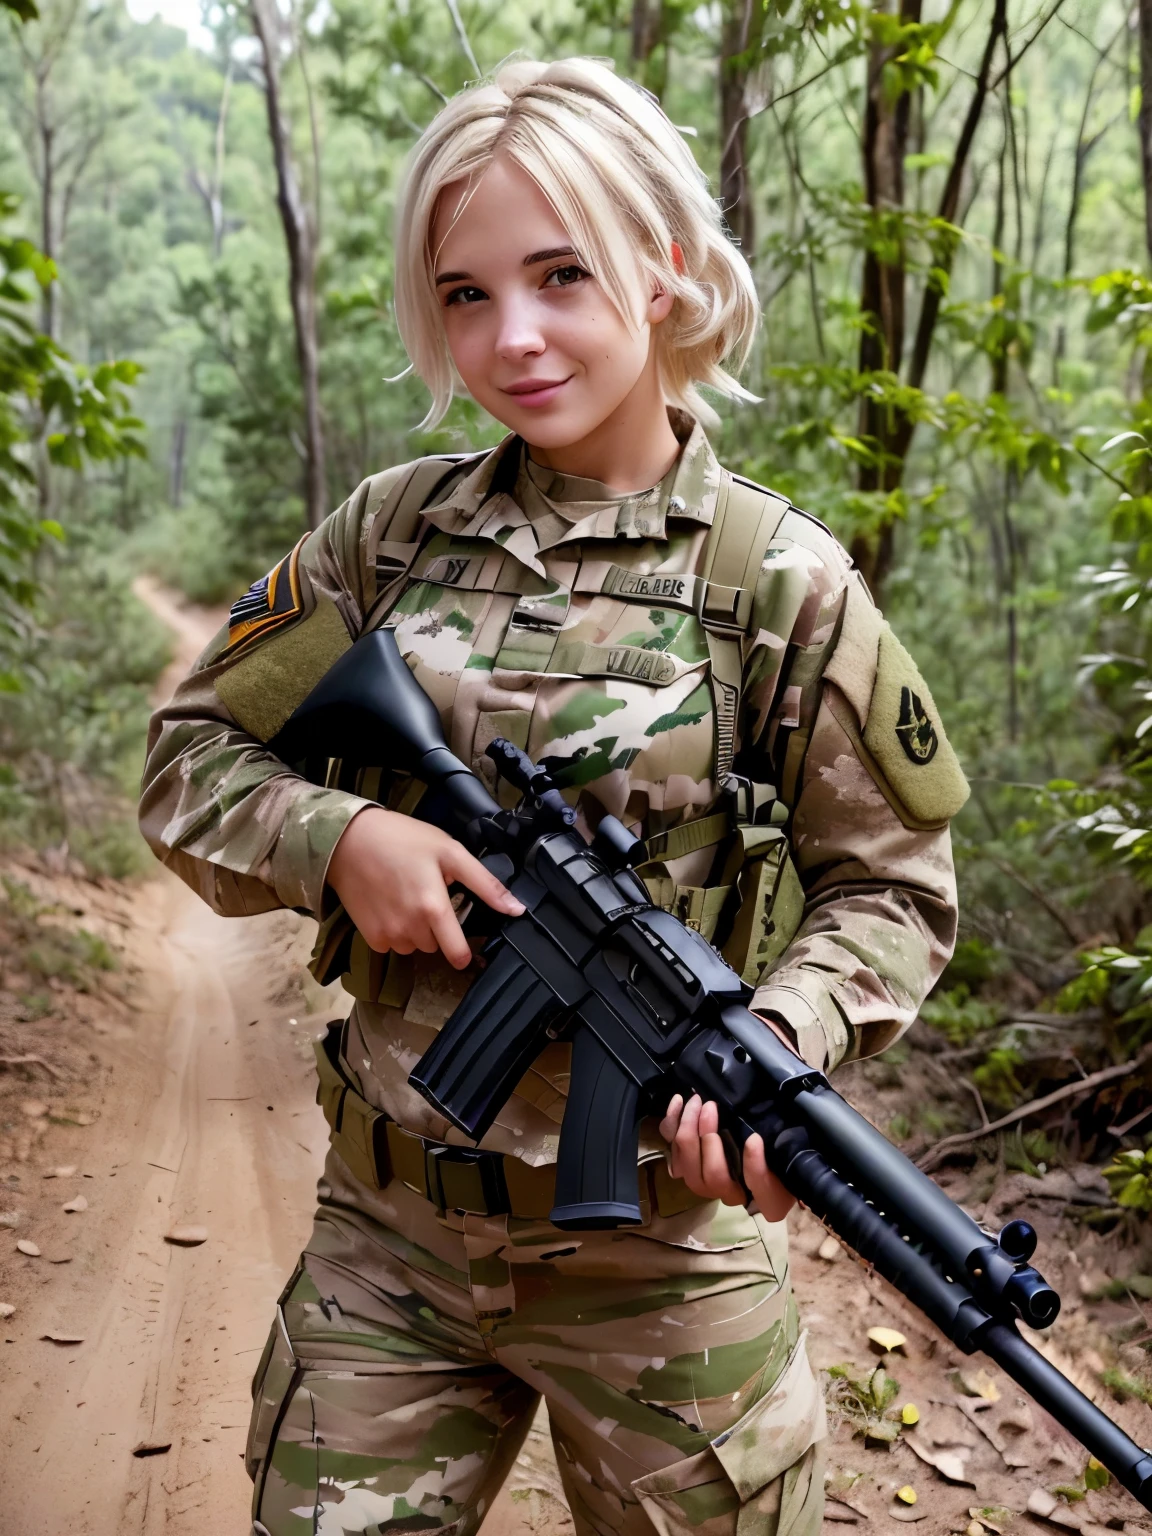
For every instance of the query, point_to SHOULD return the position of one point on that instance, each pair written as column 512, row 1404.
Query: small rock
column 829, row 1250
column 26, row 1245
column 974, row 1528
column 65, row 1172
column 907, row 1494
column 6, row 1309
column 153, row 1448
column 1042, row 1503
column 78, row 1203
column 35, row 1109
column 63, row 1338
column 186, row 1237
column 9, row 1218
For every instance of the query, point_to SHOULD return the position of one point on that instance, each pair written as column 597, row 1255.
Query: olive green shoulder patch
column 262, row 689
column 906, row 739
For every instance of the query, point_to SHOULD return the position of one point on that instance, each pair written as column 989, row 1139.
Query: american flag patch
column 269, row 602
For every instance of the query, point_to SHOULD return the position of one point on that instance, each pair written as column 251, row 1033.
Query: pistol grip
column 596, row 1178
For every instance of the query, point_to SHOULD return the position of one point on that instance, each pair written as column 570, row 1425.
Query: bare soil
column 179, row 1090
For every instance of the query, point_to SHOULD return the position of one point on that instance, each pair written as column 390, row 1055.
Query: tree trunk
column 741, row 21
column 47, row 223
column 300, row 241
column 1145, row 11
column 875, row 556
column 885, row 144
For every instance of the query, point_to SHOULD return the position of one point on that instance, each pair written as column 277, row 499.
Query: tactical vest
column 752, row 902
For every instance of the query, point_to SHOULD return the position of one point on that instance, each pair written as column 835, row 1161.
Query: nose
column 519, row 332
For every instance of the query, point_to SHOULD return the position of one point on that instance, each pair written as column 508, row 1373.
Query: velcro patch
column 269, row 602
column 905, row 737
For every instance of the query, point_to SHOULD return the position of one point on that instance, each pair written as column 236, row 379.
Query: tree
column 299, row 225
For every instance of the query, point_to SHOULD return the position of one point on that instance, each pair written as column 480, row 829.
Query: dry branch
column 936, row 1154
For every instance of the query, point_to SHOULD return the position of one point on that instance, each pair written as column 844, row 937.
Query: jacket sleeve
column 849, row 731
column 216, row 807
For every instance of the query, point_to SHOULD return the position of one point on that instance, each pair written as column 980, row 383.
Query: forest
column 947, row 208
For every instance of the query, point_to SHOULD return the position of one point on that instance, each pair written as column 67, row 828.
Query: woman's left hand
column 692, row 1131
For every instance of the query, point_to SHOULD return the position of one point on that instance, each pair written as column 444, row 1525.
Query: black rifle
column 651, row 1009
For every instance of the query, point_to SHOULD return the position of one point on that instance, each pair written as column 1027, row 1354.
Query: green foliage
column 48, row 950
column 866, row 1401
column 1129, row 1178
column 958, row 1015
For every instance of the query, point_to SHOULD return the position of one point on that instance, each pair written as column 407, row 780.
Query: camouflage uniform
column 411, row 1344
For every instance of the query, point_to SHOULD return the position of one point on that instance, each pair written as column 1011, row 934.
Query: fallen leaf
column 993, row 1517
column 829, row 1250
column 976, row 1384
column 1017, row 1418
column 186, row 1237
column 33, row 1108
column 833, row 1510
column 77, row 1204
column 907, row 1494
column 26, row 1245
column 152, row 1448
column 1096, row 1474
column 949, row 1462
column 63, row 1338
column 6, row 1309
column 909, row 1414
column 65, row 1172
column 884, row 1340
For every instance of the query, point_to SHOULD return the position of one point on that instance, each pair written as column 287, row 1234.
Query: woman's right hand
column 392, row 874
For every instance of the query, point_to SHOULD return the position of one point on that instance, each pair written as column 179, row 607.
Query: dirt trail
column 201, row 1090
column 208, row 1118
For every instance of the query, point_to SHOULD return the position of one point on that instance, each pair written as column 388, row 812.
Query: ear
column 659, row 305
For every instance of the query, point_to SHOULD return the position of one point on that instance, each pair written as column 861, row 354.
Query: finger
column 671, row 1121
column 687, row 1145
column 717, row 1178
column 449, row 937
column 458, row 864
column 770, row 1195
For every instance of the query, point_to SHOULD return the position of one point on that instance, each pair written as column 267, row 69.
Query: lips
column 535, row 391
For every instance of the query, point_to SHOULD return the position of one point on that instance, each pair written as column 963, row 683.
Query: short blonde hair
column 625, row 186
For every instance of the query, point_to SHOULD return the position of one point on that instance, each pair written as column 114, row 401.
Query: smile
column 533, row 392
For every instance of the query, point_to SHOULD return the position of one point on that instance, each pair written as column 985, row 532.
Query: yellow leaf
column 907, row 1494
column 886, row 1339
column 910, row 1414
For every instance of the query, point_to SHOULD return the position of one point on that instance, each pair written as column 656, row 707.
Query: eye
column 566, row 276
column 467, row 295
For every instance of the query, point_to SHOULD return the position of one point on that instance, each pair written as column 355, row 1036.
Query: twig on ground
column 1122, row 1130
column 975, row 1092
column 29, row 1061
column 1097, row 1080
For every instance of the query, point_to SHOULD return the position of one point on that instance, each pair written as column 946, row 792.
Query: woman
column 680, row 648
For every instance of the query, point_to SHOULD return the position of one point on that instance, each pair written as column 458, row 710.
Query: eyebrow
column 529, row 261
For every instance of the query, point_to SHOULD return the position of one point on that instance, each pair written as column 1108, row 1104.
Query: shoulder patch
column 265, row 685
column 268, row 603
column 905, row 737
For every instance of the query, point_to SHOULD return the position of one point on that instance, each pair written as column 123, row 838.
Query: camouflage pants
column 409, row 1352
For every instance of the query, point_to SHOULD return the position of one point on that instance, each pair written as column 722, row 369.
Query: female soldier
column 680, row 648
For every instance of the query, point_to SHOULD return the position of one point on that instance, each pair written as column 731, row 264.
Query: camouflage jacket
column 566, row 617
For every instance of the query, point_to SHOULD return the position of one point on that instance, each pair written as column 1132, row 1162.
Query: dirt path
column 199, row 1108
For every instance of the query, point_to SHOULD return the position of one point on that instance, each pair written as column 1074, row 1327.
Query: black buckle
column 464, row 1179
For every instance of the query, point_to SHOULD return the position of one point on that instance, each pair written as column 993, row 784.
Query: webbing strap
column 704, row 833
column 746, row 521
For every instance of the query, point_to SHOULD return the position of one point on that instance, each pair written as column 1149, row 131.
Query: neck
column 630, row 450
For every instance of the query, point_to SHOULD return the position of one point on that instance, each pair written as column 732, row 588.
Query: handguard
column 651, row 1010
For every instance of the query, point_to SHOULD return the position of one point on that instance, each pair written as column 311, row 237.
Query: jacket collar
column 482, row 504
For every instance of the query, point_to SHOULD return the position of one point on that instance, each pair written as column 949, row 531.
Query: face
column 535, row 339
